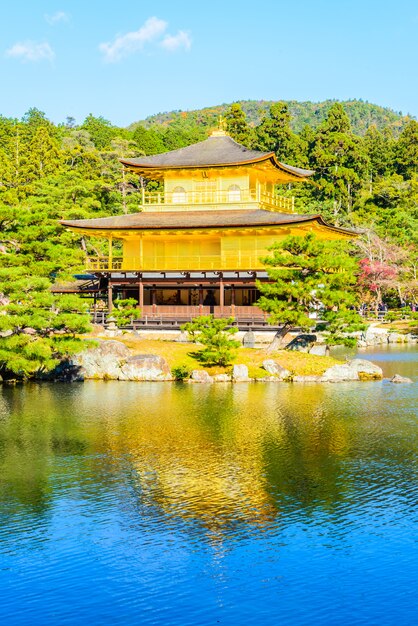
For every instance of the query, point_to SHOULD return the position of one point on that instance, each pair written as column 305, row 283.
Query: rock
column 410, row 338
column 248, row 340
column 320, row 350
column 396, row 338
column 102, row 362
column 269, row 379
column 357, row 369
column 274, row 368
column 6, row 333
column 301, row 343
column 366, row 369
column 222, row 378
column 200, row 376
column 339, row 373
column 149, row 367
column 240, row 373
column 29, row 331
column 400, row 379
column 307, row 379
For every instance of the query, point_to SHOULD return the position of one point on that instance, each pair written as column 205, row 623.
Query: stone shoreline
column 113, row 360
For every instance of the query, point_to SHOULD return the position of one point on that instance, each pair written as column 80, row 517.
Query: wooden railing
column 232, row 262
column 210, row 200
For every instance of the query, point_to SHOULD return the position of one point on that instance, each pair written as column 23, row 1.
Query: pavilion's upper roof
column 179, row 220
column 219, row 150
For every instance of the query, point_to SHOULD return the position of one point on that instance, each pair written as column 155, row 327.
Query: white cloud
column 123, row 45
column 59, row 16
column 31, row 51
column 174, row 42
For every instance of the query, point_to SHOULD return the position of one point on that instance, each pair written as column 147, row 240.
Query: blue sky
column 127, row 60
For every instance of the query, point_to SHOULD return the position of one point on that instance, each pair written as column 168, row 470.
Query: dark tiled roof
column 195, row 219
column 215, row 151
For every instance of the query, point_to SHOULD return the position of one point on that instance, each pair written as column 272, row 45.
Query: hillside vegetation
column 362, row 115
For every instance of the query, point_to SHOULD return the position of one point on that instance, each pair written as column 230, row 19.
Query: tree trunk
column 277, row 342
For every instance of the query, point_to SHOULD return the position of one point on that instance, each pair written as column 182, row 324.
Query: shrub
column 180, row 372
column 125, row 311
column 215, row 335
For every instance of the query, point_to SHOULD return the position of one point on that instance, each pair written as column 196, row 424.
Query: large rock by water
column 357, row 369
column 103, row 362
column 200, row 376
column 112, row 360
column 240, row 374
column 145, row 367
column 275, row 369
column 400, row 379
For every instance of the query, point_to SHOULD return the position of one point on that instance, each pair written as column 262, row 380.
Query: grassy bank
column 178, row 354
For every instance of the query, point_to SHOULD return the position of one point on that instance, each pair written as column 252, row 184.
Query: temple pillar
column 221, row 293
column 141, row 293
column 200, row 299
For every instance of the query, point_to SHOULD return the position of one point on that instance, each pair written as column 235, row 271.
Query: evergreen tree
column 306, row 275
column 274, row 133
column 379, row 147
column 148, row 141
column 339, row 160
column 236, row 125
column 407, row 150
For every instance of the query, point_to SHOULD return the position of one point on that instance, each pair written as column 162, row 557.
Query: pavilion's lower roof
column 180, row 220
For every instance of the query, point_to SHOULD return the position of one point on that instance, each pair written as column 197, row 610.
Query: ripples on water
column 127, row 503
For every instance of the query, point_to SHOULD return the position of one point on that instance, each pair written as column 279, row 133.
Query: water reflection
column 222, row 456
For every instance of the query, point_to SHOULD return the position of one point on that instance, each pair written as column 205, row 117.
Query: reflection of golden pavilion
column 196, row 245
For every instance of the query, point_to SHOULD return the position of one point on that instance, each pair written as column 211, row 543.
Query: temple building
column 195, row 246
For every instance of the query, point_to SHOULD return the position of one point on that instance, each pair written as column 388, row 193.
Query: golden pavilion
column 195, row 246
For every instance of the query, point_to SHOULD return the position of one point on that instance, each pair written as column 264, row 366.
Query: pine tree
column 306, row 275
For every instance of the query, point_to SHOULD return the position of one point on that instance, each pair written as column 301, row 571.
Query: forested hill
column 362, row 115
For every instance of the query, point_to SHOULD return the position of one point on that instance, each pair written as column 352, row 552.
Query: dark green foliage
column 215, row 335
column 307, row 275
column 341, row 322
column 237, row 126
column 125, row 311
column 180, row 372
column 274, row 133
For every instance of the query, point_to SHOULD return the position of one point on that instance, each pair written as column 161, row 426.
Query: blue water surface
column 137, row 503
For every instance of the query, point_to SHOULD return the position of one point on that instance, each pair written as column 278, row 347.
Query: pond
column 174, row 504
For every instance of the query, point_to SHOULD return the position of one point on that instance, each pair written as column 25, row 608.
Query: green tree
column 37, row 328
column 125, row 311
column 148, row 141
column 101, row 131
column 407, row 150
column 380, row 151
column 274, row 133
column 306, row 275
column 237, row 126
column 339, row 160
column 215, row 335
